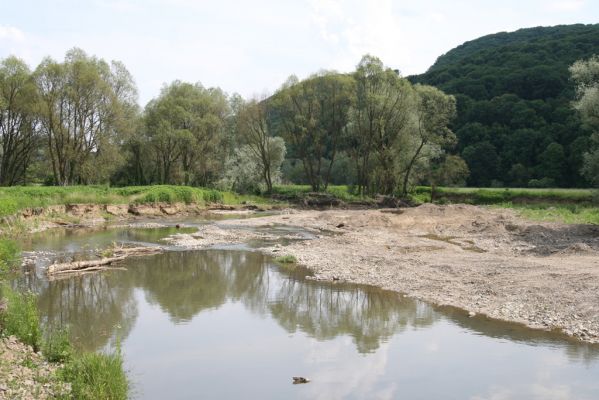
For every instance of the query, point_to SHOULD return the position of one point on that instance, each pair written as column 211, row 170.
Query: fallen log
column 76, row 266
column 118, row 254
column 80, row 272
column 136, row 251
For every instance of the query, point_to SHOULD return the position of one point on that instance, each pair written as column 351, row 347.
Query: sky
column 251, row 47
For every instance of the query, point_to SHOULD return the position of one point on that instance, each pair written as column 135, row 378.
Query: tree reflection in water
column 98, row 307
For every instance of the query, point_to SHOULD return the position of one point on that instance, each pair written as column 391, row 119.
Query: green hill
column 515, row 124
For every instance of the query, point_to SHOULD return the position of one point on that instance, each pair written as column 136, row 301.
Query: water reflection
column 184, row 284
column 97, row 311
column 231, row 324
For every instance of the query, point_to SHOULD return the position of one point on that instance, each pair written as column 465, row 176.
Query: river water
column 230, row 324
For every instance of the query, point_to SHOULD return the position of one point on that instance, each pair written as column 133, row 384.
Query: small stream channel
column 232, row 324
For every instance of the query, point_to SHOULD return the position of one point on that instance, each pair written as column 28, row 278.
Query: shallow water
column 229, row 324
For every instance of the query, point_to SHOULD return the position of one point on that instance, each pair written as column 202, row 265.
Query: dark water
column 230, row 324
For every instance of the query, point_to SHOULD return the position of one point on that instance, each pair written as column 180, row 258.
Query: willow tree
column 265, row 151
column 83, row 113
column 381, row 115
column 185, row 126
column 18, row 102
column 312, row 116
column 433, row 111
column 586, row 75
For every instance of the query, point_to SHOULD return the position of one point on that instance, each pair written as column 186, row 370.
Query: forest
column 511, row 109
column 515, row 124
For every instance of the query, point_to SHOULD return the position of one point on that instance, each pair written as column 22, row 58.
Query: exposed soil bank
column 87, row 215
column 487, row 261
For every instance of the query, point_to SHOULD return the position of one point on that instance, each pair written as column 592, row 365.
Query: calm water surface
column 231, row 324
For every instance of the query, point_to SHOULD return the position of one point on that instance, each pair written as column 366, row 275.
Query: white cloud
column 567, row 5
column 11, row 33
column 354, row 28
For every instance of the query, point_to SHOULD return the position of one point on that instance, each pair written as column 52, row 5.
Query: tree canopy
column 514, row 96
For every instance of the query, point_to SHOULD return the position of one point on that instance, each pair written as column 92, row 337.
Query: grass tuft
column 96, row 376
column 21, row 317
column 57, row 347
column 287, row 259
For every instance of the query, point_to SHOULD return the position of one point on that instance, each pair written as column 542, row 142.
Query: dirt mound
column 577, row 249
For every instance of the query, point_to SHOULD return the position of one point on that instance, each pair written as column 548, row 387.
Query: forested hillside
column 515, row 124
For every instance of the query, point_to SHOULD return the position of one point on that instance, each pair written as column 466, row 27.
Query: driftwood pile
column 104, row 263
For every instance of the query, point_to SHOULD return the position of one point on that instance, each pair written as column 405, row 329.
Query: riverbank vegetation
column 90, row 375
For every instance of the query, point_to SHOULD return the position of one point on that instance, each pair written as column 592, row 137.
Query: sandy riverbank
column 483, row 260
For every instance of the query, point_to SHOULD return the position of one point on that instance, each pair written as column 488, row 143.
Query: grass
column 8, row 255
column 506, row 195
column 568, row 213
column 57, row 346
column 570, row 206
column 21, row 317
column 287, row 259
column 14, row 199
column 96, row 376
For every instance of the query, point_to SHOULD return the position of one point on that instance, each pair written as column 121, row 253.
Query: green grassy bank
column 14, row 199
column 572, row 206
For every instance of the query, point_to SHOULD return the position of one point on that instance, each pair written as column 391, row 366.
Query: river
column 230, row 323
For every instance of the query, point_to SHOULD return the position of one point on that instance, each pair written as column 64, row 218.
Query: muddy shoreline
column 483, row 260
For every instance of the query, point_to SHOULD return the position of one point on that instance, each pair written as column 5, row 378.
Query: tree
column 267, row 152
column 586, row 76
column 185, row 126
column 244, row 172
column 18, row 102
column 434, row 110
column 483, row 162
column 312, row 116
column 83, row 115
column 446, row 171
column 552, row 162
column 382, row 113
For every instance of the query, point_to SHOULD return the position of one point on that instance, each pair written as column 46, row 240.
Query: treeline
column 516, row 125
column 78, row 122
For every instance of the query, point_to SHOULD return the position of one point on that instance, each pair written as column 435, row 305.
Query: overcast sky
column 251, row 47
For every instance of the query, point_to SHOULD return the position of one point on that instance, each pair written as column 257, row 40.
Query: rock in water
column 300, row 379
